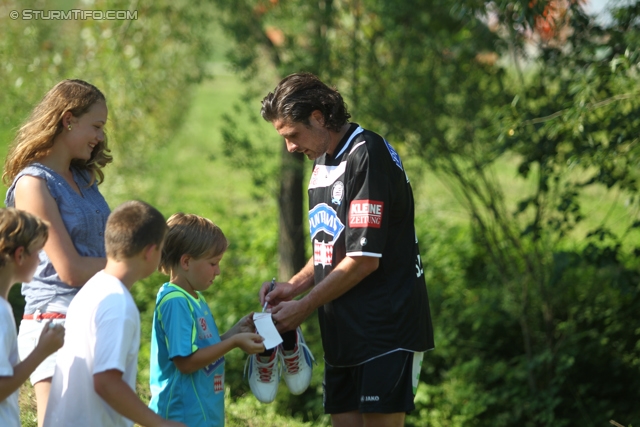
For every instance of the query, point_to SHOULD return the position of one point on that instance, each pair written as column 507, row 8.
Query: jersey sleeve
column 369, row 197
column 178, row 325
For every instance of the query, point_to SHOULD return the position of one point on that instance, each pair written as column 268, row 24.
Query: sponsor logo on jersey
column 369, row 398
column 337, row 191
column 365, row 214
column 394, row 155
column 203, row 330
column 324, row 218
column 322, row 253
column 324, row 176
column 363, row 241
column 212, row 366
column 218, row 383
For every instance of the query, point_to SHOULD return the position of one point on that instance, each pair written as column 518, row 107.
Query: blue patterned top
column 84, row 217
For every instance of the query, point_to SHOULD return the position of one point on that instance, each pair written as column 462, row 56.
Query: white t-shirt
column 9, row 409
column 102, row 333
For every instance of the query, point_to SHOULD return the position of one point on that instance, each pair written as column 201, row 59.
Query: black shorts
column 384, row 385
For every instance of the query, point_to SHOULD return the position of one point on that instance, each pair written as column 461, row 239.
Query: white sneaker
column 264, row 376
column 296, row 366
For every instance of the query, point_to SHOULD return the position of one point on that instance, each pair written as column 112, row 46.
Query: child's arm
column 110, row 387
column 249, row 342
column 51, row 339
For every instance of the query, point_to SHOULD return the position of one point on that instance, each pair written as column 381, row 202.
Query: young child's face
column 30, row 261
column 202, row 271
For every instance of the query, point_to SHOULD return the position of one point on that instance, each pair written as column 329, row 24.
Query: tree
column 473, row 89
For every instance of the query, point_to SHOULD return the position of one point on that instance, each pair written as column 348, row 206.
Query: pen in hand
column 273, row 285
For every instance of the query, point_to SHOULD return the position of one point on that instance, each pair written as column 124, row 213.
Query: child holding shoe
column 187, row 352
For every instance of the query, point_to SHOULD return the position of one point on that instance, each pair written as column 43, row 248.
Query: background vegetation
column 518, row 124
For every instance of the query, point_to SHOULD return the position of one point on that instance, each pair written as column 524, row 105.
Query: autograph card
column 267, row 330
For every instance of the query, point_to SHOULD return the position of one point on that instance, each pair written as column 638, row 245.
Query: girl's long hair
column 34, row 140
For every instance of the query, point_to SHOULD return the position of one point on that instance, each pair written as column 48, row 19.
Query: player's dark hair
column 132, row 227
column 300, row 94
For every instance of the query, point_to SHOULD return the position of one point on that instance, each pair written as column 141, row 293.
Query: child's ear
column 18, row 255
column 184, row 261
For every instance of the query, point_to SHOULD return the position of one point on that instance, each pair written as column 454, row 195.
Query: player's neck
column 336, row 137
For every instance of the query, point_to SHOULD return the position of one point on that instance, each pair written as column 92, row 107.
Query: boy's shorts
column 28, row 336
column 383, row 385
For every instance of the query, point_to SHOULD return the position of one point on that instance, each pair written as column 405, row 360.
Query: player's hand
column 250, row 343
column 288, row 315
column 283, row 291
column 51, row 338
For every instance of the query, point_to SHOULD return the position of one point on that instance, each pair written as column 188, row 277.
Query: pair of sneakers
column 294, row 366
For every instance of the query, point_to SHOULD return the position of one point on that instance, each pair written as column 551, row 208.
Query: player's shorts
column 384, row 385
column 28, row 336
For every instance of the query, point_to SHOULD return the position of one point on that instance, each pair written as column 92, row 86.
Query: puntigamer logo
column 365, row 213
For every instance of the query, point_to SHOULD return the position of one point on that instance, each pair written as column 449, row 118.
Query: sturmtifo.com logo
column 74, row 14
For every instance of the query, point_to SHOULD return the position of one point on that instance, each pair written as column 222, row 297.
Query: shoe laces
column 292, row 362
column 264, row 370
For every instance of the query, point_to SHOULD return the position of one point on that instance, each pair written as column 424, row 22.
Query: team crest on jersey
column 365, row 214
column 212, row 366
column 394, row 155
column 324, row 218
column 203, row 330
column 218, row 383
column 337, row 191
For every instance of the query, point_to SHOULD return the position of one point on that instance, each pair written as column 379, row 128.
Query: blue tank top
column 84, row 217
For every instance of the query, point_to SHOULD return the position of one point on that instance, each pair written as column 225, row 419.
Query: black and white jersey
column 361, row 204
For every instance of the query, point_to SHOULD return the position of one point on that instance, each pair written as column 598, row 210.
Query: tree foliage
column 476, row 91
column 145, row 66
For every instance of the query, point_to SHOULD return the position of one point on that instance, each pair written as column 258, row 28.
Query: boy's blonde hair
column 35, row 138
column 131, row 227
column 19, row 228
column 191, row 235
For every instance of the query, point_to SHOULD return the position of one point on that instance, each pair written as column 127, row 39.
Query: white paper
column 267, row 330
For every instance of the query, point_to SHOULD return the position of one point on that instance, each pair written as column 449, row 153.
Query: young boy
column 95, row 377
column 187, row 353
column 22, row 236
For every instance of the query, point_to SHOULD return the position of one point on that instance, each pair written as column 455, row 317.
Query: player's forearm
column 303, row 280
column 204, row 356
column 21, row 373
column 347, row 274
column 124, row 400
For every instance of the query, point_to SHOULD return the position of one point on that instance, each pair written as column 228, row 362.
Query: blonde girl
column 53, row 168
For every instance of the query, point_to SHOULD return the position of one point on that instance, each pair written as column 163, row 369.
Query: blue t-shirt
column 85, row 218
column 183, row 324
